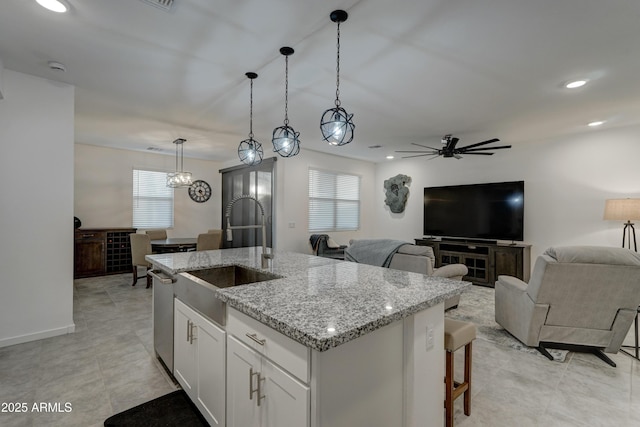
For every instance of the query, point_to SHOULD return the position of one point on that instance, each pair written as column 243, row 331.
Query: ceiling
column 411, row 70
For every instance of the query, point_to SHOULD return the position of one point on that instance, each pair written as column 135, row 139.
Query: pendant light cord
column 177, row 157
column 286, row 90
column 338, row 69
column 251, row 111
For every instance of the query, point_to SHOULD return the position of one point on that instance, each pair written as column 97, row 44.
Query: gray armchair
column 580, row 298
column 324, row 246
column 421, row 259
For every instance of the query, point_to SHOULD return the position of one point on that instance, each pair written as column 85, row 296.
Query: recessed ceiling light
column 53, row 5
column 389, row 157
column 596, row 123
column 575, row 84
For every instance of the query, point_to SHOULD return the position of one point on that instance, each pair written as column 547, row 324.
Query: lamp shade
column 622, row 209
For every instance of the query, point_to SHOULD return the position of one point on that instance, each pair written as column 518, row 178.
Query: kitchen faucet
column 265, row 256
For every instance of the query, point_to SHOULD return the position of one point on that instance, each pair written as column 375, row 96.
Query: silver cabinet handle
column 166, row 280
column 189, row 331
column 193, row 326
column 260, row 380
column 251, row 389
column 254, row 338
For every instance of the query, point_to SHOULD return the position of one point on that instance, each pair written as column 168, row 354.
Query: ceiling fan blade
column 416, row 151
column 457, row 156
column 452, row 143
column 465, row 150
column 424, row 146
column 420, row 155
column 477, row 144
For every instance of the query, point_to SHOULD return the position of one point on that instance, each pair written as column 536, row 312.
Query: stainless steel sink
column 197, row 288
column 233, row 275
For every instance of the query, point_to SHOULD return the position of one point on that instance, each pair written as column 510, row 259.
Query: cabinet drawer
column 289, row 354
column 90, row 235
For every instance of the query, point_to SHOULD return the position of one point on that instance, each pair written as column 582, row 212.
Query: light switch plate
column 430, row 339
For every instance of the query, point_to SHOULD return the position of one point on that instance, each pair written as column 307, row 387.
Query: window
column 152, row 200
column 334, row 201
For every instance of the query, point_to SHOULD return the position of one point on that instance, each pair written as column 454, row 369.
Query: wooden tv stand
column 485, row 260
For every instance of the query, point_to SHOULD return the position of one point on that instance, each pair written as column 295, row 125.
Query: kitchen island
column 327, row 343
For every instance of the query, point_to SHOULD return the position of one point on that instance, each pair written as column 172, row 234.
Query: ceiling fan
column 450, row 148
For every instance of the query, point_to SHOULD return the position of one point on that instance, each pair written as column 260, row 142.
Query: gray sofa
column 582, row 297
column 413, row 258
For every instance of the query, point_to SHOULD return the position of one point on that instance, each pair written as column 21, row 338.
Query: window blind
column 334, row 201
column 152, row 200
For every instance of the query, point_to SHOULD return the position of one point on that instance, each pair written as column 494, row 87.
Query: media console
column 485, row 260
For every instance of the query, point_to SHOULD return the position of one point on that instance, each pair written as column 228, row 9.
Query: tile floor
column 108, row 366
column 104, row 368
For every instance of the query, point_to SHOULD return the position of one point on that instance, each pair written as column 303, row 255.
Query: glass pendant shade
column 179, row 178
column 337, row 126
column 285, row 140
column 250, row 151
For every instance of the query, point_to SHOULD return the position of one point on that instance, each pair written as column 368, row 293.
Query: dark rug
column 173, row 409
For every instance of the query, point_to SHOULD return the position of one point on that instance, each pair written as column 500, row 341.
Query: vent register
column 162, row 4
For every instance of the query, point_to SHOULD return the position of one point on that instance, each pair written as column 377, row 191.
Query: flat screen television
column 493, row 211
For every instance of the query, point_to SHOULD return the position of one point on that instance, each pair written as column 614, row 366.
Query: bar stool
column 456, row 335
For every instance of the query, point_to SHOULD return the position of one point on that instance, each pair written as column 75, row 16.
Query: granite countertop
column 319, row 302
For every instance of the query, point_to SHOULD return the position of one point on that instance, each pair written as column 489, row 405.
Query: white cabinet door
column 199, row 362
column 286, row 401
column 184, row 350
column 242, row 408
column 210, row 359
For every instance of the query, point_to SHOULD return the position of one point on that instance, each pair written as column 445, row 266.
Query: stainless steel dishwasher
column 162, row 313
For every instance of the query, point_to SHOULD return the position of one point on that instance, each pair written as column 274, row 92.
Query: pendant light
column 179, row 178
column 336, row 124
column 250, row 150
column 285, row 140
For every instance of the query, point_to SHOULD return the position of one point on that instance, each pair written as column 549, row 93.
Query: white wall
column 566, row 183
column 1, row 80
column 36, row 171
column 292, row 191
column 104, row 189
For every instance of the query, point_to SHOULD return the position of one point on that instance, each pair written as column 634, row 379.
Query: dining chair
column 140, row 246
column 209, row 241
column 218, row 232
column 159, row 234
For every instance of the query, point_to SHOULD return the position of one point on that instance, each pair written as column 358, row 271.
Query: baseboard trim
column 38, row 335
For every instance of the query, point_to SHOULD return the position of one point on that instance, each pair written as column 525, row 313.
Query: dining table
column 174, row 244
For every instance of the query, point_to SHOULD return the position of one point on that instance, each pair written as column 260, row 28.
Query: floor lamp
column 626, row 210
